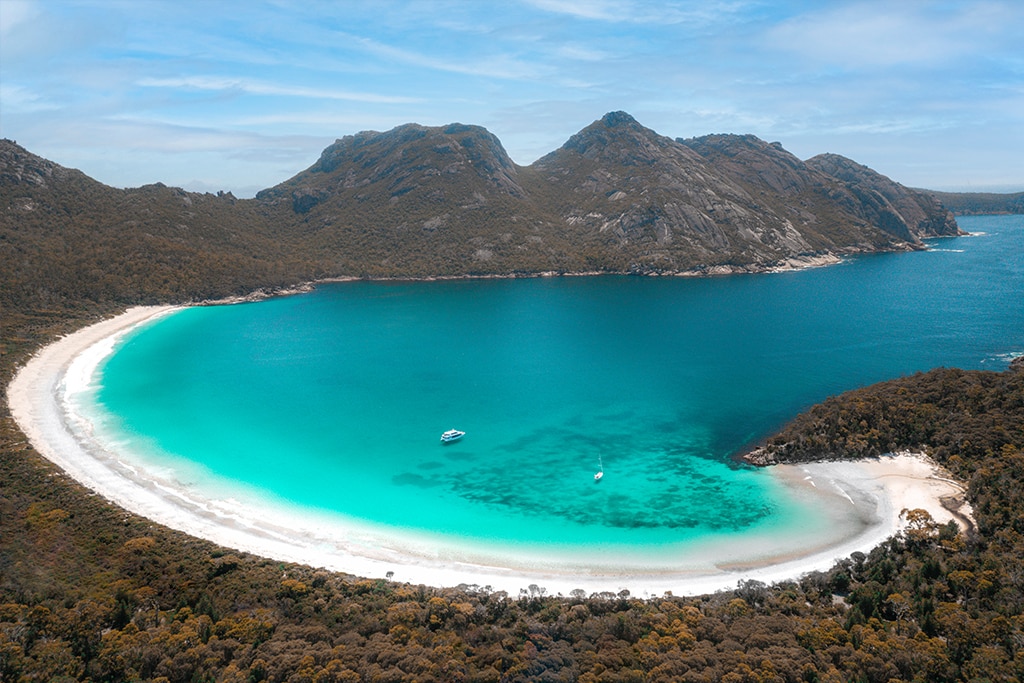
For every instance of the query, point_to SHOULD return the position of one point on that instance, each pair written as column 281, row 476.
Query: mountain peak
column 408, row 164
column 617, row 138
column 618, row 118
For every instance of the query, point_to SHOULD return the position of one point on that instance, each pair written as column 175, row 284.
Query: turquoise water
column 335, row 400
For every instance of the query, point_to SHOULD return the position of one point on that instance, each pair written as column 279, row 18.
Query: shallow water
column 335, row 400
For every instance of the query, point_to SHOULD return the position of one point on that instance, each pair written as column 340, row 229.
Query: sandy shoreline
column 877, row 491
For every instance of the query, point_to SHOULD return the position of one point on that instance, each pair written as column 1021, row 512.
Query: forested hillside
column 978, row 203
column 90, row 592
column 952, row 413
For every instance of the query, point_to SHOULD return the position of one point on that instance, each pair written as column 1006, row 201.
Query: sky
column 240, row 96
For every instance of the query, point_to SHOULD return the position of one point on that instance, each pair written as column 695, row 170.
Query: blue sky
column 240, row 96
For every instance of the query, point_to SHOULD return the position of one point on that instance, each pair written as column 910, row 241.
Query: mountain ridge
column 447, row 201
column 616, row 197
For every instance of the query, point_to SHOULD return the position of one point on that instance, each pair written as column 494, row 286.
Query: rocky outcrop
column 621, row 184
column 828, row 189
column 908, row 214
column 757, row 163
column 18, row 166
column 719, row 203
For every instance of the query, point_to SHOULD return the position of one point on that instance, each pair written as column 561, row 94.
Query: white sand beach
column 876, row 492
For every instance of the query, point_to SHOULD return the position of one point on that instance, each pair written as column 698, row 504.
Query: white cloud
column 697, row 12
column 14, row 12
column 501, row 66
column 871, row 34
column 18, row 99
column 341, row 124
column 226, row 84
column 889, row 126
column 582, row 53
column 605, row 10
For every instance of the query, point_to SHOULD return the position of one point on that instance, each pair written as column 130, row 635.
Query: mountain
column 656, row 205
column 722, row 203
column 420, row 201
column 616, row 197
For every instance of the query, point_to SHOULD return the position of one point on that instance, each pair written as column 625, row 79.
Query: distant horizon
column 995, row 189
column 238, row 97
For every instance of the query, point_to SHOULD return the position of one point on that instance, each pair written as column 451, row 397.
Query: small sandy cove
column 877, row 491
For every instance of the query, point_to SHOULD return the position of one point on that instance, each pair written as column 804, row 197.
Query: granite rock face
column 456, row 163
column 616, row 197
column 20, row 167
column 910, row 214
column 421, row 201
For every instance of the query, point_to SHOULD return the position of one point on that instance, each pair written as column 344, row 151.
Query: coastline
column 878, row 490
column 787, row 265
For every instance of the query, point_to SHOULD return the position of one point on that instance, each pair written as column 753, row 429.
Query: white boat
column 600, row 469
column 452, row 435
column 597, row 477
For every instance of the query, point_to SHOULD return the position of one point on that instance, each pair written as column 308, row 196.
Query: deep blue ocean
column 334, row 401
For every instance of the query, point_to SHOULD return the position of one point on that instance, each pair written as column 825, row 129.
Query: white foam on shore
column 875, row 492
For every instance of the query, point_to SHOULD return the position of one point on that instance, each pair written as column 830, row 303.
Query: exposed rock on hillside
column 906, row 213
column 623, row 186
column 422, row 201
column 18, row 166
column 826, row 193
column 410, row 159
column 722, row 203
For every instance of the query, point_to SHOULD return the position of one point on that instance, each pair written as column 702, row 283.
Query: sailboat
column 600, row 470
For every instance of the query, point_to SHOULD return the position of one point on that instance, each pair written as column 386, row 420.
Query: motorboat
column 452, row 435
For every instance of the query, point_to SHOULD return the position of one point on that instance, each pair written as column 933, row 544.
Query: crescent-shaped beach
column 873, row 492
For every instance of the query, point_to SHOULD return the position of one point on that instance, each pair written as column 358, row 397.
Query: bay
column 334, row 401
